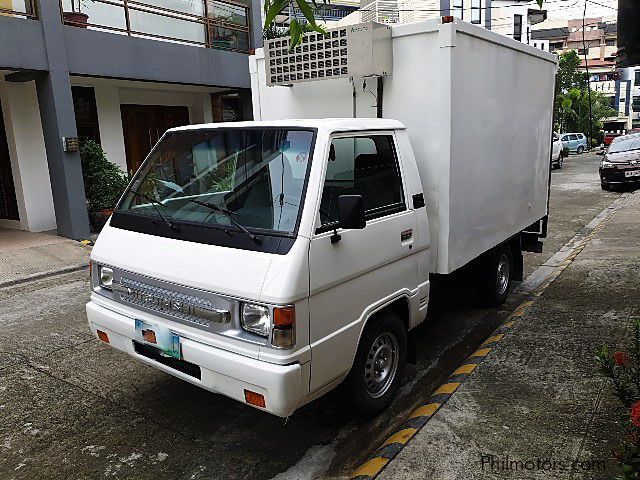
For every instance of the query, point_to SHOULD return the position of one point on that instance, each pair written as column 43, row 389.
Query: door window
column 367, row 166
column 573, row 137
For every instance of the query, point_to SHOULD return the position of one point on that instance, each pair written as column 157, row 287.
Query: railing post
column 126, row 17
column 207, row 25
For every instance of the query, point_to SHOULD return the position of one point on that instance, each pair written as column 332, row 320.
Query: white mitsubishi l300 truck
column 272, row 260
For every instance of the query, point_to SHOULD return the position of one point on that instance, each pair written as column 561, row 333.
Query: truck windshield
column 252, row 177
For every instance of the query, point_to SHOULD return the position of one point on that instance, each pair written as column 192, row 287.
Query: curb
column 394, row 444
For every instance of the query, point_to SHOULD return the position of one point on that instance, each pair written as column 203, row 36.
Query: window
column 364, row 166
column 476, row 11
column 637, row 79
column 573, row 137
column 636, row 104
column 458, row 8
column 517, row 27
column 565, row 138
column 610, row 42
column 555, row 46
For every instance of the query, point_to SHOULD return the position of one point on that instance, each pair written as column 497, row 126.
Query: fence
column 209, row 23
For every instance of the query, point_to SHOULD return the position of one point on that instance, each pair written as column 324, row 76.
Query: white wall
column 110, row 124
column 28, row 157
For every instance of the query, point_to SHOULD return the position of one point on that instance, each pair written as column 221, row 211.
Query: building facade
column 600, row 46
column 512, row 18
column 119, row 73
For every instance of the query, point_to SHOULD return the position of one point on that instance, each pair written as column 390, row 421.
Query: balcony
column 208, row 23
column 19, row 8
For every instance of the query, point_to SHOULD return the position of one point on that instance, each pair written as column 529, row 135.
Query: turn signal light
column 447, row 19
column 284, row 316
column 284, row 327
column 254, row 398
column 103, row 336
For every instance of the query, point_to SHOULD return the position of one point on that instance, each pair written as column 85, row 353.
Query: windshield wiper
column 154, row 204
column 227, row 214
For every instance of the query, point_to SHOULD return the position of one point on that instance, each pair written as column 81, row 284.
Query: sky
column 565, row 9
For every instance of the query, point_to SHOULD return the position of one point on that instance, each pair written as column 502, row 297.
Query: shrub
column 104, row 181
column 623, row 369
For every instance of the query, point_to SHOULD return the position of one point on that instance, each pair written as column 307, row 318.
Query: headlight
column 606, row 164
column 256, row 319
column 105, row 276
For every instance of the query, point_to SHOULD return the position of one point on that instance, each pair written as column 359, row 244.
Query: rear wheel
column 580, row 150
column 496, row 273
column 379, row 364
column 560, row 160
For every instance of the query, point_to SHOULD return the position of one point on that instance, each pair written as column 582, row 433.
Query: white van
column 272, row 260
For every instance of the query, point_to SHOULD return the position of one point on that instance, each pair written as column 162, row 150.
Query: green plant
column 623, row 369
column 104, row 181
column 272, row 8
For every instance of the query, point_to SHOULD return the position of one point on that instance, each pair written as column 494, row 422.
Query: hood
column 624, row 157
column 228, row 271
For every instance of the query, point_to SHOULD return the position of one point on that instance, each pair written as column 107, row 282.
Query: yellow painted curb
column 402, row 436
column 372, row 467
column 425, row 410
column 447, row 388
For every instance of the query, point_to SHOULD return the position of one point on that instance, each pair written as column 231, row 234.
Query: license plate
column 632, row 173
column 160, row 337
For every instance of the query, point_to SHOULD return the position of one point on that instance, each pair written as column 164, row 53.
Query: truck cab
column 270, row 261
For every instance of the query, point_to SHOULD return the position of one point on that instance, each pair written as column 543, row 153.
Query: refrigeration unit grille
column 318, row 57
column 329, row 55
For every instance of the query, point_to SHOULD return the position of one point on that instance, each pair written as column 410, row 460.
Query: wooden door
column 143, row 125
column 8, row 203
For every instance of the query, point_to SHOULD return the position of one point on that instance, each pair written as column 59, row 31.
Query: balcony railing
column 19, row 8
column 208, row 23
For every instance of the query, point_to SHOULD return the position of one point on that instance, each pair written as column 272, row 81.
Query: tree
column 571, row 108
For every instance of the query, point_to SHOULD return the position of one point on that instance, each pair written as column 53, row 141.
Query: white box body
column 478, row 111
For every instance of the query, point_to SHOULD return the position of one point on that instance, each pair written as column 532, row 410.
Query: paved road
column 72, row 408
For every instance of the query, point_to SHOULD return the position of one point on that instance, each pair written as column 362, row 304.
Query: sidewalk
column 538, row 395
column 28, row 255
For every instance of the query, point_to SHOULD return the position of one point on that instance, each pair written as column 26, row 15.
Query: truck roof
column 327, row 124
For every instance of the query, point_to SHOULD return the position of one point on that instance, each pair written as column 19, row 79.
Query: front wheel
column 496, row 273
column 605, row 186
column 379, row 364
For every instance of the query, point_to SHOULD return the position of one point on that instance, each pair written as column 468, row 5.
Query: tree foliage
column 571, row 108
column 273, row 8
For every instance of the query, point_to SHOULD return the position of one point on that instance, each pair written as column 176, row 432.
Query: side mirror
column 351, row 212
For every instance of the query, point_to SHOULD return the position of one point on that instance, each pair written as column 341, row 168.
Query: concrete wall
column 28, row 157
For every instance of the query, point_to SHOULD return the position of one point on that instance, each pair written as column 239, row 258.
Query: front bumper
column 615, row 176
column 221, row 371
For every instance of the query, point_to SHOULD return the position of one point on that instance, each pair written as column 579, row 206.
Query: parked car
column 575, row 142
column 557, row 152
column 621, row 164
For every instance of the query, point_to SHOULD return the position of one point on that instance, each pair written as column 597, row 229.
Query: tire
column 560, row 161
column 369, row 390
column 605, row 186
column 580, row 150
column 496, row 275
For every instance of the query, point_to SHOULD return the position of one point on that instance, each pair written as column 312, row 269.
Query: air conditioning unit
column 360, row 50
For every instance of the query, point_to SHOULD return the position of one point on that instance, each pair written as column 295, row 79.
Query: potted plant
column 76, row 16
column 104, row 183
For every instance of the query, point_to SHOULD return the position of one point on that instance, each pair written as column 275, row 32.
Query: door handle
column 406, row 235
